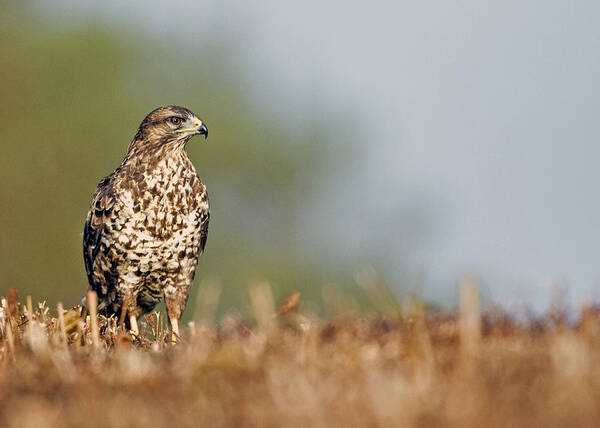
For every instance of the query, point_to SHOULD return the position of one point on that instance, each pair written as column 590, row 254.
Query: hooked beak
column 202, row 130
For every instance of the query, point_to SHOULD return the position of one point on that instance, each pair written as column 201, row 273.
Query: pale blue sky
column 478, row 123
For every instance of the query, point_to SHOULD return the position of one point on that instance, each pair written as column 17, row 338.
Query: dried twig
column 61, row 322
column 92, row 304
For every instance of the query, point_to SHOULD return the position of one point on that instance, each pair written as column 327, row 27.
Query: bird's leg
column 134, row 326
column 174, row 329
column 175, row 299
column 129, row 305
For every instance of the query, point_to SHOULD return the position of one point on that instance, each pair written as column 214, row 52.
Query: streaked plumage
column 148, row 221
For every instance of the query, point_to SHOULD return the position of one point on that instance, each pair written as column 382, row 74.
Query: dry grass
column 291, row 369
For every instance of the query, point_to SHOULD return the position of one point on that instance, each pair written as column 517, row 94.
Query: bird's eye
column 175, row 120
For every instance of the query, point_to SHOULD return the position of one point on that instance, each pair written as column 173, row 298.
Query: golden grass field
column 289, row 368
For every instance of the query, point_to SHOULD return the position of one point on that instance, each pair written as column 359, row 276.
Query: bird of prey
column 148, row 222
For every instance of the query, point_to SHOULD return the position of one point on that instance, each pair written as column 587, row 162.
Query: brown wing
column 101, row 272
column 204, row 219
column 203, row 212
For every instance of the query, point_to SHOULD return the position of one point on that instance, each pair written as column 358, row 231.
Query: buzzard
column 148, row 222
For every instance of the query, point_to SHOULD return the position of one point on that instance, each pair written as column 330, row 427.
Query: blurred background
column 400, row 143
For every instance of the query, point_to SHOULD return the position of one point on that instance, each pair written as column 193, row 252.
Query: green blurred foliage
column 73, row 96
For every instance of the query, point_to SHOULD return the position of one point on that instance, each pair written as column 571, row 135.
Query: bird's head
column 168, row 127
